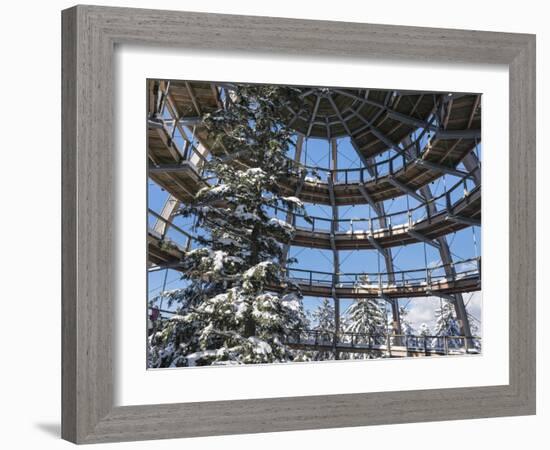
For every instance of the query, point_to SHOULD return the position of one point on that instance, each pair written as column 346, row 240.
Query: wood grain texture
column 89, row 269
column 68, row 227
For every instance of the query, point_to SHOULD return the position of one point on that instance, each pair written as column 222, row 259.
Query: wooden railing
column 458, row 270
column 451, row 198
column 345, row 341
column 348, row 342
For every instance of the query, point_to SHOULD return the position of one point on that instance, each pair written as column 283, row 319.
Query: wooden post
column 445, row 254
column 336, row 256
column 290, row 217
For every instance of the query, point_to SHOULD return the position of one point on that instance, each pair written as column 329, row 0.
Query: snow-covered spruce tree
column 474, row 329
column 407, row 330
column 445, row 320
column 406, row 327
column 367, row 318
column 323, row 321
column 228, row 313
column 425, row 330
column 446, row 323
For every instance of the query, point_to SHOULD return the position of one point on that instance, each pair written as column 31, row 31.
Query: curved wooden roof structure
column 375, row 120
column 412, row 169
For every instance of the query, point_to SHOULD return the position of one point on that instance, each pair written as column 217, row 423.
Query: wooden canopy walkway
column 409, row 169
column 375, row 345
column 383, row 345
column 407, row 283
column 183, row 181
column 465, row 212
column 317, row 284
column 356, row 186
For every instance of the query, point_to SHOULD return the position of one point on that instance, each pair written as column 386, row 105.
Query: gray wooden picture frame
column 90, row 34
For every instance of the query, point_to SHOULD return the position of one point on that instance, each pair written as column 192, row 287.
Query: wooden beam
column 181, row 186
column 216, row 94
column 300, row 185
column 167, row 213
column 190, row 121
column 449, row 110
column 457, row 134
column 335, row 254
column 471, row 163
column 442, row 168
column 369, row 126
column 408, row 120
column 464, row 220
column 358, row 151
column 339, row 115
column 405, row 189
column 450, row 150
column 331, row 196
column 313, row 114
column 173, row 168
column 369, row 199
column 446, row 258
column 385, row 139
column 391, row 113
column 361, row 131
column 169, row 143
column 376, row 245
column 474, row 109
column 421, row 237
column 193, row 98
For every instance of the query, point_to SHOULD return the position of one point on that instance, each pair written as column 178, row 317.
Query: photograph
column 290, row 224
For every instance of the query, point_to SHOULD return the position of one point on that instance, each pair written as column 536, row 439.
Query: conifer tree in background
column 425, row 330
column 323, row 318
column 367, row 318
column 406, row 326
column 227, row 314
column 446, row 323
column 474, row 329
column 324, row 325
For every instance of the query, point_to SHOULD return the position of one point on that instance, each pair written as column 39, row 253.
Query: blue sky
column 464, row 244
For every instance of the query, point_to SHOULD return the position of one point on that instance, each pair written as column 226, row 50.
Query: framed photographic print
column 266, row 230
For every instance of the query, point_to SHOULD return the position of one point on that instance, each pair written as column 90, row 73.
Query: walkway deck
column 390, row 345
column 464, row 213
column 395, row 351
column 412, row 283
